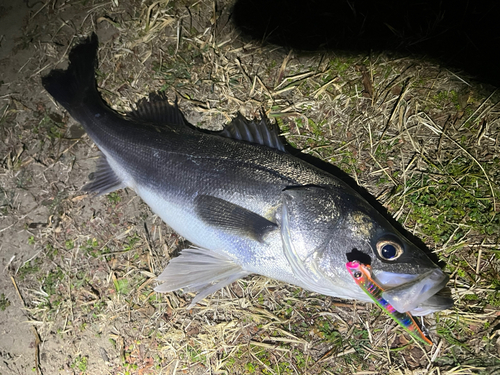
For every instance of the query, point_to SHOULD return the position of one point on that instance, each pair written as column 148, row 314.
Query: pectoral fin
column 232, row 218
column 199, row 270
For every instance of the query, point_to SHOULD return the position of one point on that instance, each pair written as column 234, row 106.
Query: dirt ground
column 77, row 272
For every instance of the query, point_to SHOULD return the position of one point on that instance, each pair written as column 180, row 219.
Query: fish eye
column 356, row 274
column 389, row 249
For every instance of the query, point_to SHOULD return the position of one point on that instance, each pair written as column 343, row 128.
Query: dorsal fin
column 157, row 110
column 259, row 132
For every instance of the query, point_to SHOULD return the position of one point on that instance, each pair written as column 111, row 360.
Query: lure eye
column 389, row 250
column 356, row 274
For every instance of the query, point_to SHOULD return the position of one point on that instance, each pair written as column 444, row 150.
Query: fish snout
column 418, row 295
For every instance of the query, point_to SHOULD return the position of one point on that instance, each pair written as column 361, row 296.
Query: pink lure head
column 359, row 271
column 354, row 269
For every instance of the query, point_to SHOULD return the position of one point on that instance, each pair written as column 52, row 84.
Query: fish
column 361, row 274
column 245, row 204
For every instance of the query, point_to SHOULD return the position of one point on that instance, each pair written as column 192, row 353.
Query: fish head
column 410, row 280
column 323, row 227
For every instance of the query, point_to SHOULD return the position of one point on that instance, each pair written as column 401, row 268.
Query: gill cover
column 300, row 218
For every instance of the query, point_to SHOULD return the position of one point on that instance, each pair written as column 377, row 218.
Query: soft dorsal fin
column 259, row 132
column 157, row 110
column 105, row 179
column 232, row 218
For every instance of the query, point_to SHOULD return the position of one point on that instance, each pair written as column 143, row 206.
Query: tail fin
column 69, row 87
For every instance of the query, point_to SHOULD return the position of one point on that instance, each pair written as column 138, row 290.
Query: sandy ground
column 21, row 347
column 17, row 346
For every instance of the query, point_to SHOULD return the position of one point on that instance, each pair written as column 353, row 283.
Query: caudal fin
column 69, row 87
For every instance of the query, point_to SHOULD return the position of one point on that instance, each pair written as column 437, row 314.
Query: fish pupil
column 356, row 274
column 389, row 251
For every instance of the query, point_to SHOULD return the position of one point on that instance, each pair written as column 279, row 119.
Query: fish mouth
column 417, row 294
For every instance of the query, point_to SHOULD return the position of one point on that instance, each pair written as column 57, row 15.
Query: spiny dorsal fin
column 232, row 218
column 105, row 179
column 157, row 110
column 259, row 132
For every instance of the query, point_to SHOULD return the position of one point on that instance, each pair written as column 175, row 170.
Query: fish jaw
column 415, row 293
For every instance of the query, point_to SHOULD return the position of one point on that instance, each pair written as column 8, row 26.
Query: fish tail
column 76, row 84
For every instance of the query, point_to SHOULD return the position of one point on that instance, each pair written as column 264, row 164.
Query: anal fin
column 199, row 270
column 105, row 179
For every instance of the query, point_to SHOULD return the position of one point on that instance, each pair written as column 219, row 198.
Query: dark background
column 461, row 35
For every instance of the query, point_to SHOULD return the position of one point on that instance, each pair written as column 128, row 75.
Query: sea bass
column 245, row 204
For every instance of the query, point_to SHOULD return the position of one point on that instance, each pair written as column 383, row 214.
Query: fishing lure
column 361, row 274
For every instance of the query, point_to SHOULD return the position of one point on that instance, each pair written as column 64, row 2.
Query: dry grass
column 417, row 137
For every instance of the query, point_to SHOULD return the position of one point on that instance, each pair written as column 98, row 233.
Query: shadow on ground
column 461, row 35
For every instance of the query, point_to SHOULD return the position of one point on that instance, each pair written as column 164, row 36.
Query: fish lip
column 418, row 289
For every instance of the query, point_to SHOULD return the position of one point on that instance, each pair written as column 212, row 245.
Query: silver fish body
column 245, row 205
